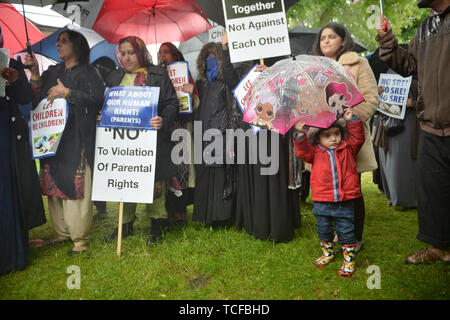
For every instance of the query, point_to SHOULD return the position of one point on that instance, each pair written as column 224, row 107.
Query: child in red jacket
column 334, row 183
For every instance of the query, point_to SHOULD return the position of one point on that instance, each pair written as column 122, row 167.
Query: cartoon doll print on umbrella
column 313, row 89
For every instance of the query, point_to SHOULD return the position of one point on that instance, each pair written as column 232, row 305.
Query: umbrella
column 150, row 20
column 13, row 28
column 191, row 48
column 38, row 3
column 85, row 12
column 302, row 40
column 99, row 47
column 312, row 89
column 214, row 9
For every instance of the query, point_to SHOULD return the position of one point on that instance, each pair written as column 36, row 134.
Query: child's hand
column 300, row 127
column 348, row 114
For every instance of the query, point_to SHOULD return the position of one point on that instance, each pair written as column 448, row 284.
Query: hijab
column 143, row 56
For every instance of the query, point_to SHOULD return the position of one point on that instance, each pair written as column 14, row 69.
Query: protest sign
column 179, row 75
column 124, row 167
column 47, row 123
column 242, row 90
column 130, row 107
column 256, row 29
column 395, row 96
column 215, row 33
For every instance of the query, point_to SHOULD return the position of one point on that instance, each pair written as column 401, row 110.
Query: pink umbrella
column 150, row 20
column 313, row 89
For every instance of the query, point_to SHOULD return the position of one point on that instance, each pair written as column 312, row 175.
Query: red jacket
column 334, row 177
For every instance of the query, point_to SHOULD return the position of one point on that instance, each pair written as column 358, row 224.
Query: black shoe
column 127, row 229
column 101, row 215
column 157, row 230
column 180, row 224
column 71, row 252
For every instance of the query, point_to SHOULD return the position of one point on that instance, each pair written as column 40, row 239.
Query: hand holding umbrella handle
column 383, row 26
column 300, row 127
column 32, row 64
column 30, row 53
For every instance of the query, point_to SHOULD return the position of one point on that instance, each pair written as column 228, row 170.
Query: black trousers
column 433, row 171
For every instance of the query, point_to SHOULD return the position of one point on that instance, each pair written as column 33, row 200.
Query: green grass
column 201, row 263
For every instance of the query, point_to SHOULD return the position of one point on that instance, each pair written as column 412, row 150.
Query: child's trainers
column 328, row 254
column 348, row 268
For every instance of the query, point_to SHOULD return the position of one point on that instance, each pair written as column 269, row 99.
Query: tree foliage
column 359, row 17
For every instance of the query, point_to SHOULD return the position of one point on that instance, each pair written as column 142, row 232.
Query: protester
column 66, row 176
column 335, row 42
column 138, row 70
column 105, row 66
column 214, row 113
column 398, row 154
column 334, row 183
column 265, row 205
column 427, row 56
column 178, row 200
column 20, row 194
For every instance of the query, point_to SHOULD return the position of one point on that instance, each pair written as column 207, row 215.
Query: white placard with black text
column 124, row 167
column 256, row 29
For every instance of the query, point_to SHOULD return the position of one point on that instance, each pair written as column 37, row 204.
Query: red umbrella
column 13, row 29
column 150, row 20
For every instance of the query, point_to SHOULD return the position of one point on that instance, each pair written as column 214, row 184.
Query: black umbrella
column 302, row 40
column 214, row 9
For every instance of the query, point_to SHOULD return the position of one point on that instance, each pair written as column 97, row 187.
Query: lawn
column 203, row 263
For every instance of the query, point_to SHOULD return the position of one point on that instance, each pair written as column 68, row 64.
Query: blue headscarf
column 212, row 69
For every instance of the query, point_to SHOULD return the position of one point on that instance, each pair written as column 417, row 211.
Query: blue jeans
column 342, row 213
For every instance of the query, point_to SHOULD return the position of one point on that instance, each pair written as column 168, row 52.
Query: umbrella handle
column 30, row 53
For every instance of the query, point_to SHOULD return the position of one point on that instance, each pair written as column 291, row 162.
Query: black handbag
column 393, row 126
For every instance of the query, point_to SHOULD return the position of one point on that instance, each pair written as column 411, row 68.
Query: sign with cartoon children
column 395, row 95
column 179, row 75
column 315, row 90
column 47, row 123
column 243, row 88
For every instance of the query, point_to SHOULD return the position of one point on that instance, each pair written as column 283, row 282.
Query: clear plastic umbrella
column 313, row 89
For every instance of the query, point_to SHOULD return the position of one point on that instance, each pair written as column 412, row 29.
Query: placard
column 242, row 90
column 130, row 107
column 124, row 167
column 395, row 96
column 256, row 29
column 215, row 33
column 179, row 75
column 46, row 127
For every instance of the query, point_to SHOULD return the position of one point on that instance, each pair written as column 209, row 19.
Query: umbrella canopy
column 302, row 40
column 85, row 12
column 42, row 3
column 13, row 29
column 214, row 9
column 151, row 20
column 313, row 89
column 191, row 48
column 99, row 47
